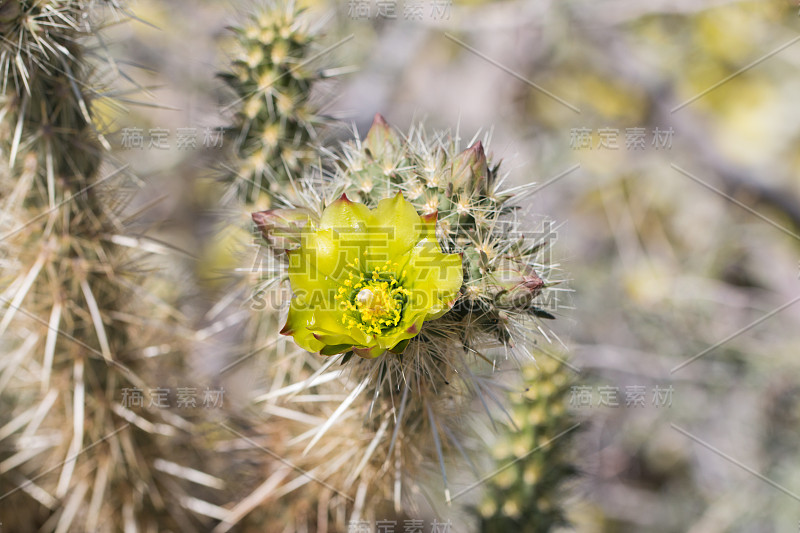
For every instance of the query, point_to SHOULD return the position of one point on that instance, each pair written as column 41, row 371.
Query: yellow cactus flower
column 365, row 280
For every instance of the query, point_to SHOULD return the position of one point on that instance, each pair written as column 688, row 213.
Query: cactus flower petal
column 344, row 213
column 397, row 227
column 366, row 280
column 436, row 277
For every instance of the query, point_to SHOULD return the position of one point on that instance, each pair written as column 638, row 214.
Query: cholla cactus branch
column 429, row 387
column 526, row 494
column 74, row 456
column 275, row 122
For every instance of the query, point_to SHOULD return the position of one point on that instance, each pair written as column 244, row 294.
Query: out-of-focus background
column 666, row 139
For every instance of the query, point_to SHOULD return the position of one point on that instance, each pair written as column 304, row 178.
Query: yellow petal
column 433, row 278
column 344, row 214
column 408, row 328
column 328, row 328
column 300, row 317
column 395, row 230
column 369, row 353
column 334, row 253
column 314, row 288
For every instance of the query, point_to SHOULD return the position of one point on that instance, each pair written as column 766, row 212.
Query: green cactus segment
column 533, row 460
column 503, row 264
column 38, row 36
column 439, row 377
column 271, row 79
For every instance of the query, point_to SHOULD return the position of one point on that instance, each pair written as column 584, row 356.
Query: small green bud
column 380, row 139
column 470, row 169
column 517, row 284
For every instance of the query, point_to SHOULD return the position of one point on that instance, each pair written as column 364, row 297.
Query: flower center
column 374, row 301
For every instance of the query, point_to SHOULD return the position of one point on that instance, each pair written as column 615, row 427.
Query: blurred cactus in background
column 273, row 129
column 272, row 80
column 46, row 112
column 526, row 494
column 75, row 325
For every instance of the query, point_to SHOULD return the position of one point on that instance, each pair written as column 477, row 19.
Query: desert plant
column 408, row 401
column 271, row 77
column 74, row 322
column 532, row 456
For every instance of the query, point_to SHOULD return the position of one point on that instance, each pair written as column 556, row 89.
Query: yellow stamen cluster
column 374, row 301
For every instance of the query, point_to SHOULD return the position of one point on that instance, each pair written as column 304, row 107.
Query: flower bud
column 379, row 136
column 470, row 169
column 516, row 283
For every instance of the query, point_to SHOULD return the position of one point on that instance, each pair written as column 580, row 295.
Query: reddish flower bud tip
column 287, row 330
column 379, row 121
column 413, row 329
column 533, row 282
column 380, row 133
column 345, row 199
column 260, row 218
column 474, row 154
